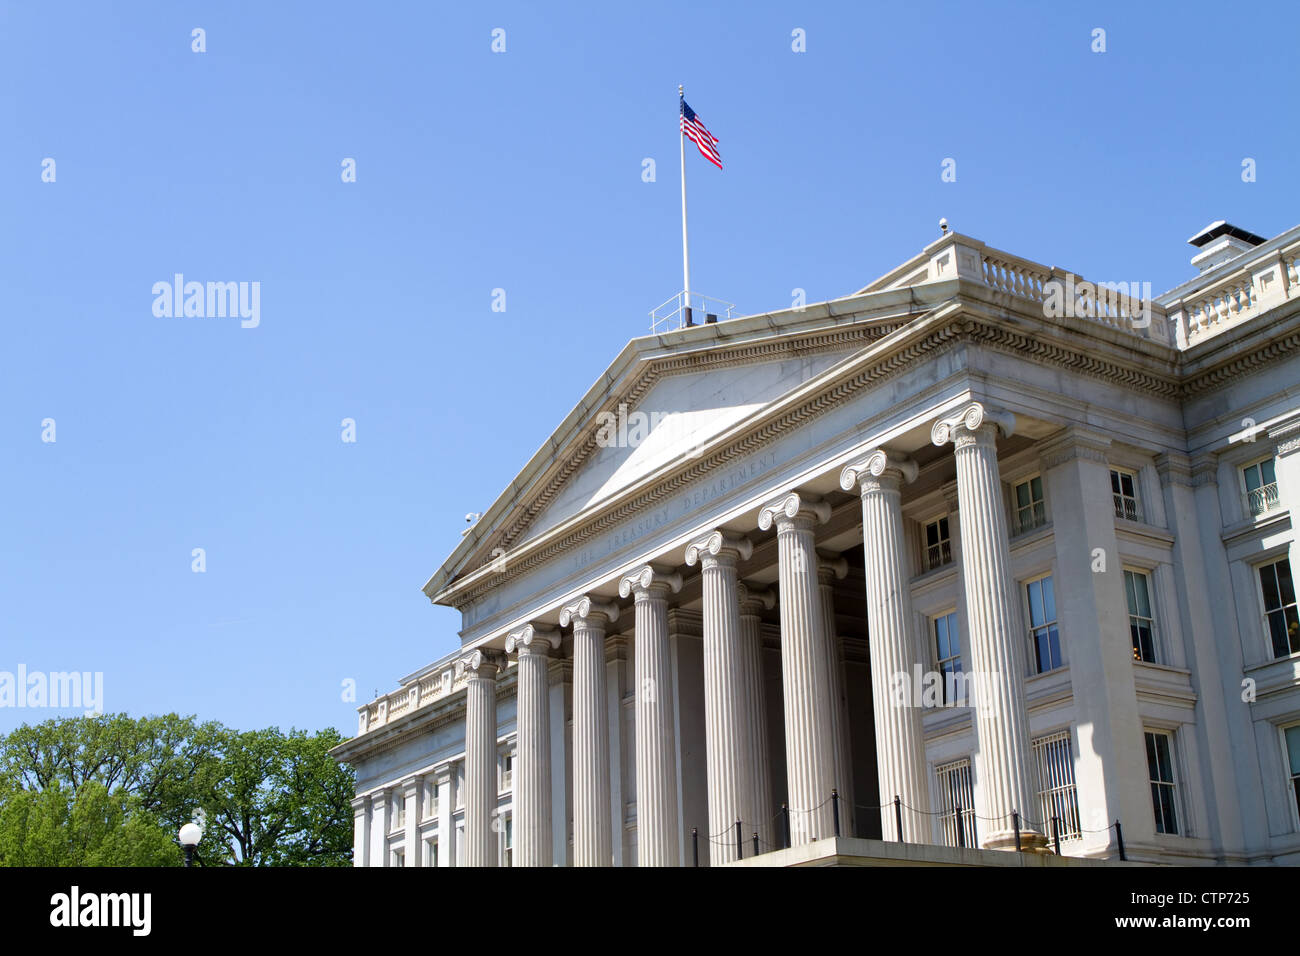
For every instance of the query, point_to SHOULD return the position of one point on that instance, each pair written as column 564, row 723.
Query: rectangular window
column 509, row 840
column 1029, row 511
column 459, row 848
column 1280, row 615
column 1260, row 482
column 938, row 545
column 1057, row 796
column 1141, row 622
column 399, row 858
column 1043, row 633
column 1292, row 735
column 507, row 771
column 431, row 851
column 399, row 811
column 947, row 653
column 1160, row 770
column 957, row 793
column 1123, row 486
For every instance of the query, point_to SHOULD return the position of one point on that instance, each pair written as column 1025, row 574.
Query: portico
column 694, row 643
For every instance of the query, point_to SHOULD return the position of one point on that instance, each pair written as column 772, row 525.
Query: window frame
column 1292, row 776
column 1052, row 624
column 1149, row 580
column 1037, row 508
column 1265, row 611
column 1119, row 497
column 945, row 554
column 1172, row 784
column 1246, row 491
column 950, row 615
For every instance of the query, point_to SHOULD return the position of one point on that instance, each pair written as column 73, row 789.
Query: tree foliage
column 111, row 790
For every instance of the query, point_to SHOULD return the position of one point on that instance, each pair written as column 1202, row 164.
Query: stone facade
column 981, row 550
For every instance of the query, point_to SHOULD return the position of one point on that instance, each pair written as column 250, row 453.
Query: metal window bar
column 1057, row 794
column 956, row 789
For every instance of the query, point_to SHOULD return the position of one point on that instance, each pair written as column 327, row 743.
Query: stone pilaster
column 727, row 709
column 360, row 831
column 592, row 839
column 658, row 818
column 805, row 677
column 997, row 650
column 532, row 777
column 480, row 671
column 900, row 736
column 411, row 798
column 831, row 567
column 752, row 602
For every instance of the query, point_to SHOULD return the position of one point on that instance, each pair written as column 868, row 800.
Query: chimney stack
column 1220, row 241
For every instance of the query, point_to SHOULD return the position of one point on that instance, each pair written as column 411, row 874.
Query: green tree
column 276, row 799
column 58, row 826
column 113, row 790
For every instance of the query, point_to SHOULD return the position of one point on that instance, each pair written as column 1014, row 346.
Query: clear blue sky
column 477, row 171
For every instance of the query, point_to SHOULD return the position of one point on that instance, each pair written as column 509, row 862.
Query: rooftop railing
column 682, row 310
column 409, row 697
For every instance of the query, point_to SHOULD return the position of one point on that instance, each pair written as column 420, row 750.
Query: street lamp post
column 190, row 836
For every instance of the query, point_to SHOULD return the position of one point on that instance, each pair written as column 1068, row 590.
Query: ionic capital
column 532, row 639
column 791, row 508
column 719, row 546
column 597, row 613
column 875, row 465
column 973, row 420
column 479, row 664
column 649, row 581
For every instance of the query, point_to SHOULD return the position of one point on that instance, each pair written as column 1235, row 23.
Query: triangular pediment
column 671, row 422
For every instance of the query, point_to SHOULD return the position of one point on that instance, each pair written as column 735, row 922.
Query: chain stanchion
column 756, row 851
column 740, row 843
column 695, row 843
column 835, row 809
column 785, row 816
column 1056, row 834
column 898, row 817
column 1015, row 823
column 1119, row 838
column 961, row 828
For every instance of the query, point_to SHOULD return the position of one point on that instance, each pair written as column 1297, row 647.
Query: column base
column 1030, row 841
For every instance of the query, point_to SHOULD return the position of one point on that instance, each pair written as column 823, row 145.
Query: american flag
column 696, row 132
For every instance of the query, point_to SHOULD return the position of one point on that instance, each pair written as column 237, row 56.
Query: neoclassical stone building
column 980, row 551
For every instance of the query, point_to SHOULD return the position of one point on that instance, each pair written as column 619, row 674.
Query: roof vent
column 1219, row 242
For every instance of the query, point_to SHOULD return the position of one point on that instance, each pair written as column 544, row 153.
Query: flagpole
column 686, row 249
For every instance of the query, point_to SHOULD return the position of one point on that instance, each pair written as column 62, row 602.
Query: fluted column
column 729, row 749
column 997, row 650
column 752, row 602
column 532, row 778
column 829, row 568
column 480, row 671
column 592, row 841
column 900, row 734
column 805, row 677
column 658, row 818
